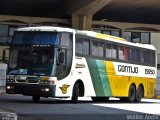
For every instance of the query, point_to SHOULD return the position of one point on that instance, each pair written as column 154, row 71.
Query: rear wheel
column 132, row 94
column 35, row 98
column 100, row 99
column 139, row 94
column 75, row 93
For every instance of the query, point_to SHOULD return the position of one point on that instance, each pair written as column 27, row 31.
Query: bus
column 67, row 63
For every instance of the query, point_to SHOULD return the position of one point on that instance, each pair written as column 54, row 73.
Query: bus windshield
column 31, row 60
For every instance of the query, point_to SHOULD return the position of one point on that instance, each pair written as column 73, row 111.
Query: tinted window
column 85, row 47
column 79, row 44
column 133, row 54
column 114, row 51
column 108, row 50
column 126, row 53
column 143, row 60
column 153, row 58
column 94, row 48
column 121, row 53
column 101, row 49
column 138, row 55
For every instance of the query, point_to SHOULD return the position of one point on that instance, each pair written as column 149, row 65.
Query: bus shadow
column 53, row 101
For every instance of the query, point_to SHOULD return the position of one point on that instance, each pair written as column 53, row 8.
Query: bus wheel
column 132, row 94
column 100, row 99
column 139, row 94
column 35, row 98
column 75, row 93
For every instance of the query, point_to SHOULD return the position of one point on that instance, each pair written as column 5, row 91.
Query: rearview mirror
column 5, row 56
column 61, row 56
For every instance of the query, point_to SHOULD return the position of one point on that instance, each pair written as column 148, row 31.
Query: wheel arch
column 81, row 87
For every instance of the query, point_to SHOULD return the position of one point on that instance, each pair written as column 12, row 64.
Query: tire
column 75, row 93
column 131, row 94
column 100, row 99
column 139, row 94
column 35, row 99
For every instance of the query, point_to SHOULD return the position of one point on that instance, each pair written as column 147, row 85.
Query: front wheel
column 35, row 98
column 75, row 93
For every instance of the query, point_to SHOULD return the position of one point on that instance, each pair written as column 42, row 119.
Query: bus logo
column 64, row 88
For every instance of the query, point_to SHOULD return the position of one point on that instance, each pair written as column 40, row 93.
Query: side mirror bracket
column 61, row 56
column 5, row 55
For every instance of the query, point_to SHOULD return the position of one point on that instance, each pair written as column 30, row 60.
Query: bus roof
column 46, row 28
column 87, row 33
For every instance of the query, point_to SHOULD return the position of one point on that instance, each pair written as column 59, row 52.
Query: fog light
column 8, row 87
column 46, row 89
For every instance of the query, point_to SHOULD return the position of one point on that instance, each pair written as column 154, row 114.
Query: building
column 134, row 20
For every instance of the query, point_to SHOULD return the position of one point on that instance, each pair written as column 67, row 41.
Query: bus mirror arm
column 4, row 56
column 60, row 57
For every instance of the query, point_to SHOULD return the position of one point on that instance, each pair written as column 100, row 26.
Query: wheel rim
column 139, row 93
column 132, row 94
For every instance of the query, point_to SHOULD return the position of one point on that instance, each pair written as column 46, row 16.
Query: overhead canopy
column 141, row 11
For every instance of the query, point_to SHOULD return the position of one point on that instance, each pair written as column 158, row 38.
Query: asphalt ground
column 86, row 109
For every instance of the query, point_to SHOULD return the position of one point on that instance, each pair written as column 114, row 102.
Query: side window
column 143, row 59
column 101, row 49
column 114, row 51
column 153, row 58
column 108, row 50
column 132, row 54
column 121, row 53
column 138, row 55
column 85, row 47
column 66, row 39
column 67, row 48
column 79, row 46
column 94, row 48
column 148, row 61
column 126, row 53
column 82, row 46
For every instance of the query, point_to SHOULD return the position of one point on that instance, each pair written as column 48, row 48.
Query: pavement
column 2, row 92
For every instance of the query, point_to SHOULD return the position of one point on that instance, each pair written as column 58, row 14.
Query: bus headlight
column 8, row 87
column 10, row 78
column 46, row 89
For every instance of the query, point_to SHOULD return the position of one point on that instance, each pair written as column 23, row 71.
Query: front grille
column 27, row 81
column 32, row 81
column 22, row 81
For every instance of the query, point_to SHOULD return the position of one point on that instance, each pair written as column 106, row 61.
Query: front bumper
column 31, row 89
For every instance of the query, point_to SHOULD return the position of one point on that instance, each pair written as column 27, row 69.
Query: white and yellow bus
column 63, row 62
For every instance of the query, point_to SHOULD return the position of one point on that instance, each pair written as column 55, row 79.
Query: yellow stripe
column 104, row 36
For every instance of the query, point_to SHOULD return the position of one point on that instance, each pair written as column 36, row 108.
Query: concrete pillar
column 122, row 32
column 82, row 18
column 81, row 22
